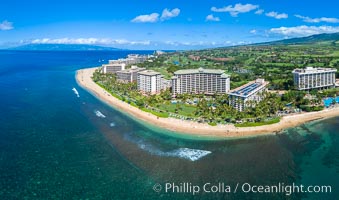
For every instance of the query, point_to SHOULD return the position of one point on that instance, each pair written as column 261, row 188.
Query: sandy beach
column 84, row 79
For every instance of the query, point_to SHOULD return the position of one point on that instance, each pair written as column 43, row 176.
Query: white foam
column 99, row 114
column 76, row 92
column 189, row 154
column 112, row 124
column 185, row 153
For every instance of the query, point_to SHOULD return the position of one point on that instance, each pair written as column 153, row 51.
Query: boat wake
column 184, row 153
column 76, row 92
column 99, row 114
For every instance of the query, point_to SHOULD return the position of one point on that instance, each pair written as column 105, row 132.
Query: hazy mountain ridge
column 313, row 39
column 63, row 47
column 326, row 38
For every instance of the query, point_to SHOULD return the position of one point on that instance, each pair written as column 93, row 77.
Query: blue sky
column 163, row 24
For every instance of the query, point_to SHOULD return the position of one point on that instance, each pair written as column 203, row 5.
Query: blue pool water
column 328, row 101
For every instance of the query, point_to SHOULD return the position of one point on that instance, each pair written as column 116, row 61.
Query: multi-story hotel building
column 137, row 58
column 129, row 75
column 207, row 81
column 149, row 82
column 314, row 78
column 247, row 95
column 131, row 59
column 113, row 68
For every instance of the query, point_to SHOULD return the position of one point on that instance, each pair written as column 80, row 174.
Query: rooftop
column 149, row 73
column 114, row 64
column 130, row 70
column 200, row 70
column 314, row 70
column 249, row 88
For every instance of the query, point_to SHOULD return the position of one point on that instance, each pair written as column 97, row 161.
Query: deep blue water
column 54, row 146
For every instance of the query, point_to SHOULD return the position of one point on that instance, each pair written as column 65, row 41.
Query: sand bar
column 84, row 79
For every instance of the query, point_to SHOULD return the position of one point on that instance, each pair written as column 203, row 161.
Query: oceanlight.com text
column 194, row 189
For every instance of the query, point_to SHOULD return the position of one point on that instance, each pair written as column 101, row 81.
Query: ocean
column 55, row 145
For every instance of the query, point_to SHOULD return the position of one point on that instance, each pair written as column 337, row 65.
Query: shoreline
column 83, row 78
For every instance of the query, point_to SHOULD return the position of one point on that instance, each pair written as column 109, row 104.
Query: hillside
column 326, row 38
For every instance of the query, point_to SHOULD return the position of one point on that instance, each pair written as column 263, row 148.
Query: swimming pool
column 328, row 101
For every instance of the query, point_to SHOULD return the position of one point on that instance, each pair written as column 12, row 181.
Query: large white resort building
column 132, row 59
column 314, row 78
column 113, row 68
column 247, row 95
column 149, row 82
column 207, row 81
column 129, row 75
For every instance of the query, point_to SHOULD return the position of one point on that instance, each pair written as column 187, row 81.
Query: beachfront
column 84, row 79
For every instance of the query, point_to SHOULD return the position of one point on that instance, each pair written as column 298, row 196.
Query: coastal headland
column 84, row 79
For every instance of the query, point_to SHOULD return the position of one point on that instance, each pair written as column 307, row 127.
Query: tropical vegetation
column 273, row 61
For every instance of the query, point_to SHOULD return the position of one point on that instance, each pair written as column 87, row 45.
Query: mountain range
column 313, row 39
column 63, row 47
column 326, row 38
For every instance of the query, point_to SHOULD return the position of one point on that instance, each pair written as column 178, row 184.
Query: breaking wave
column 76, row 92
column 184, row 153
column 99, row 114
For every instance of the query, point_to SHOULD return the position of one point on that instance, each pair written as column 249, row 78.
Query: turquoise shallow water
column 54, row 146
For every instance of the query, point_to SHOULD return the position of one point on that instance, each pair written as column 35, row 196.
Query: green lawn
column 251, row 124
column 158, row 114
column 237, row 84
column 164, row 72
column 183, row 109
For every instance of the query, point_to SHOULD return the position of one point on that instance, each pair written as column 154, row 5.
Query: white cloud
column 259, row 12
column 151, row 18
column 197, row 43
column 317, row 20
column 253, row 31
column 92, row 41
column 6, row 25
column 154, row 17
column 212, row 18
column 304, row 30
column 277, row 15
column 236, row 9
column 167, row 14
column 204, row 44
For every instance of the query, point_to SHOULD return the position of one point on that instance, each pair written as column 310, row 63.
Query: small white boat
column 76, row 92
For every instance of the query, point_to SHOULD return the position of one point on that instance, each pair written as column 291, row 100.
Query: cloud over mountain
column 304, row 30
column 318, row 20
